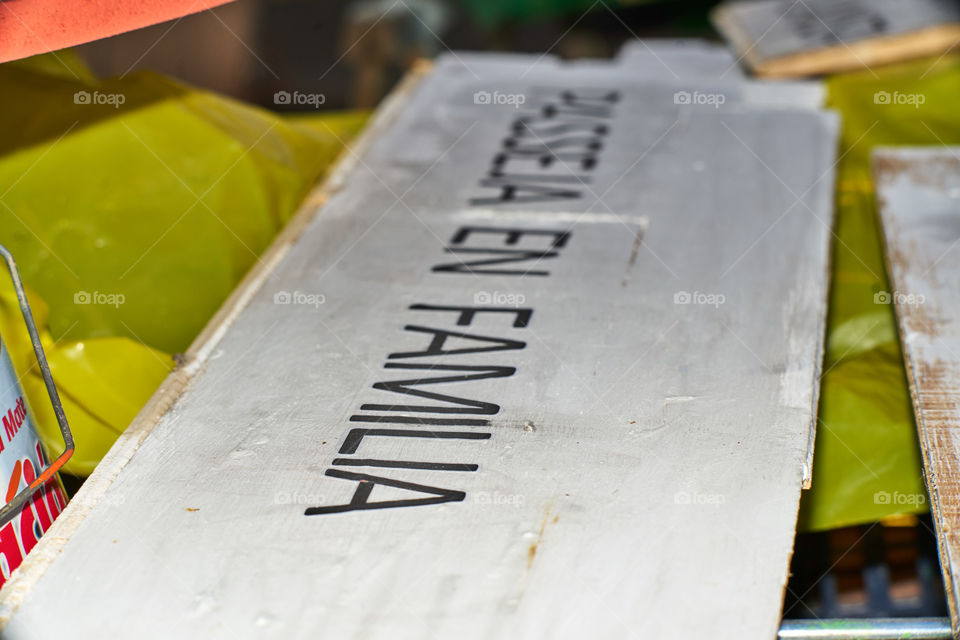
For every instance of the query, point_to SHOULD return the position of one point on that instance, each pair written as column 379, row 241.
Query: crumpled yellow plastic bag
column 134, row 206
column 102, row 382
column 867, row 463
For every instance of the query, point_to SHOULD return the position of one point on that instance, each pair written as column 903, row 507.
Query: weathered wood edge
column 927, row 449
column 51, row 544
column 723, row 21
column 863, row 54
column 851, row 56
column 821, row 350
column 738, row 41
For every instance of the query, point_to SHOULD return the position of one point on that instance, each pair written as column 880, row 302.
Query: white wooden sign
column 544, row 365
column 918, row 191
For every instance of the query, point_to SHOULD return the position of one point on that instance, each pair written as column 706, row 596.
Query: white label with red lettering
column 21, row 461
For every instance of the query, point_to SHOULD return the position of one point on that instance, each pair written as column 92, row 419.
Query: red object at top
column 29, row 27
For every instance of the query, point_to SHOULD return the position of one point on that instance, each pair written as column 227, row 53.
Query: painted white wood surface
column 641, row 473
column 918, row 191
column 689, row 61
column 681, row 58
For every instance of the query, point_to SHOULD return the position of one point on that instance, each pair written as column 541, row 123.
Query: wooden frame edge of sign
column 52, row 543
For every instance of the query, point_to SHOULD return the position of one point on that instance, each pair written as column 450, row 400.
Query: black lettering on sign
column 593, row 104
column 513, row 235
column 403, row 464
column 499, row 177
column 516, row 191
column 512, row 255
column 356, row 436
column 533, row 126
column 365, row 486
column 538, row 146
column 580, row 149
column 465, row 405
column 440, row 337
column 564, row 133
column 467, row 313
column 450, row 422
column 512, row 238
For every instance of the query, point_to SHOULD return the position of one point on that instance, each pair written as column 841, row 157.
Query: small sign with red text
column 21, row 461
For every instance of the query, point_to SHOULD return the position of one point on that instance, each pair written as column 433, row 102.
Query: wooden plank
column 688, row 62
column 622, row 453
column 785, row 38
column 918, row 191
column 680, row 59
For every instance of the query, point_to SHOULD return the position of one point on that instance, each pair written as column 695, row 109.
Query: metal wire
column 12, row 508
column 866, row 629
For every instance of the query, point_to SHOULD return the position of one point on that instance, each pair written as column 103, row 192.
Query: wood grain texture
column 623, row 452
column 918, row 192
column 783, row 38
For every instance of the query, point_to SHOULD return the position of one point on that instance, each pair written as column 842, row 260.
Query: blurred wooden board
column 785, row 38
column 918, row 191
column 689, row 62
column 682, row 58
column 515, row 379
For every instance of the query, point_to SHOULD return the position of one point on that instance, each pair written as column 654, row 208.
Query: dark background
column 352, row 51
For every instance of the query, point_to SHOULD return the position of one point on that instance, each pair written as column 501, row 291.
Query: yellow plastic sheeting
column 867, row 462
column 102, row 382
column 134, row 206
